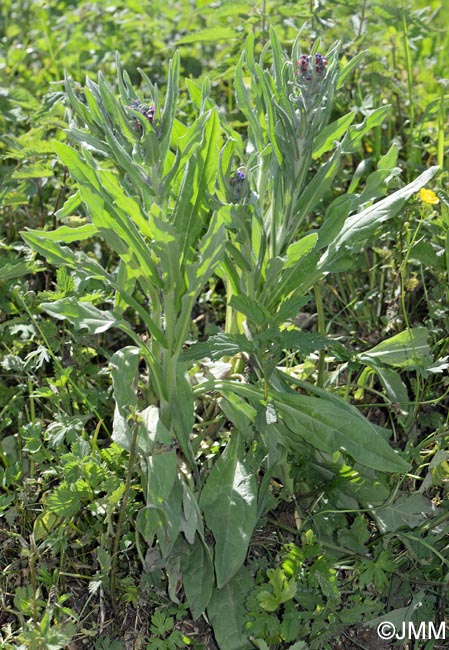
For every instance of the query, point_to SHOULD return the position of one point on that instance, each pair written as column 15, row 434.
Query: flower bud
column 147, row 111
column 310, row 68
column 239, row 184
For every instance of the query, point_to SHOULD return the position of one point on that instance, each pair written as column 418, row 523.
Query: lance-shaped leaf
column 83, row 315
column 124, row 364
column 192, row 520
column 246, row 106
column 51, row 250
column 281, row 284
column 324, row 141
column 360, row 226
column 226, row 612
column 198, row 181
column 396, row 392
column 408, row 510
column 171, row 99
column 184, row 415
column 9, row 270
column 265, row 82
column 353, row 137
column 106, row 203
column 164, row 499
column 198, row 576
column 153, row 435
column 229, row 503
column 89, row 268
column 62, row 234
column 210, row 252
column 333, row 425
column 316, row 189
column 408, row 348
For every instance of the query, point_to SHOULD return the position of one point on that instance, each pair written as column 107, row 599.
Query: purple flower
column 239, row 186
column 147, row 111
column 237, row 177
column 310, row 68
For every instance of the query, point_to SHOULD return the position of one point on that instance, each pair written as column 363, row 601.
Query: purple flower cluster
column 237, row 177
column 308, row 66
column 146, row 111
column 238, row 185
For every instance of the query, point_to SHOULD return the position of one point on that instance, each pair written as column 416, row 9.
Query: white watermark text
column 409, row 631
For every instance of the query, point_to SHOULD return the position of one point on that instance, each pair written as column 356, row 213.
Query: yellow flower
column 427, row 196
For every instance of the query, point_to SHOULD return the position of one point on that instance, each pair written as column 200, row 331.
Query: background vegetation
column 343, row 537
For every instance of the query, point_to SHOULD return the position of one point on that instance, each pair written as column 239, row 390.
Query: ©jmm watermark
column 411, row 631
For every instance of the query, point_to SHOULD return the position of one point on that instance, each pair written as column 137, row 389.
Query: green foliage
column 161, row 397
column 229, row 496
column 163, row 635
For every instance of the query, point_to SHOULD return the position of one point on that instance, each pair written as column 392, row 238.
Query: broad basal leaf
column 198, row 577
column 153, row 433
column 226, row 612
column 229, row 503
column 164, row 496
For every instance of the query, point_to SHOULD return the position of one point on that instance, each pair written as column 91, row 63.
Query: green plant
column 47, row 623
column 305, row 597
column 148, row 183
column 163, row 636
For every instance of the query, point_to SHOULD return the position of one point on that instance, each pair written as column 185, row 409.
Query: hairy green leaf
column 331, row 426
column 226, row 612
column 83, row 315
column 358, row 227
column 124, row 364
column 408, row 348
column 229, row 503
column 198, row 577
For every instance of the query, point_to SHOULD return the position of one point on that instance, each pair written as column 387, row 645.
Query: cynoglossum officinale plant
column 175, row 208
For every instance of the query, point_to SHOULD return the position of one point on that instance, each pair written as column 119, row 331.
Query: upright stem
column 410, row 81
column 264, row 13
column 322, row 331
